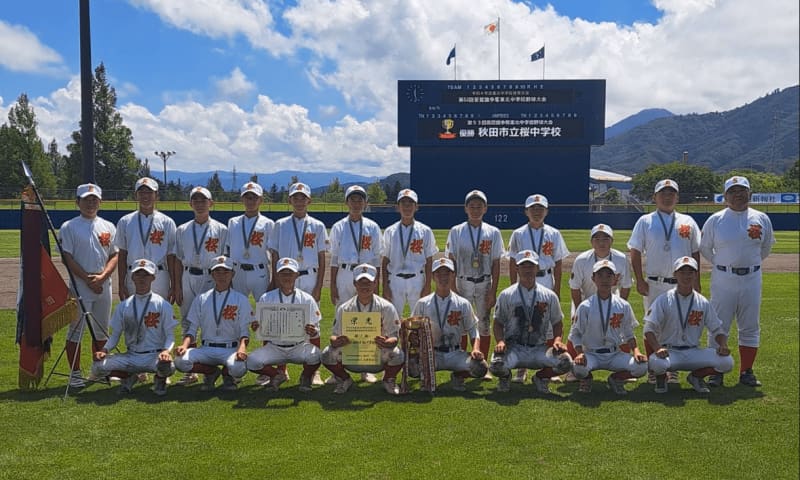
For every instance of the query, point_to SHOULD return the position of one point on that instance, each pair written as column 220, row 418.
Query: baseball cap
column 89, row 189
column 443, row 262
column 684, row 261
column 300, row 188
column 287, row 263
column 143, row 264
column 355, row 189
column 146, row 182
column 202, row 191
column 365, row 270
column 407, row 193
column 475, row 194
column 536, row 200
column 737, row 181
column 221, row 262
column 602, row 228
column 601, row 264
column 251, row 187
column 527, row 256
column 666, row 183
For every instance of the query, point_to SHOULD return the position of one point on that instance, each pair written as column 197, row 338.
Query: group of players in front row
column 209, row 270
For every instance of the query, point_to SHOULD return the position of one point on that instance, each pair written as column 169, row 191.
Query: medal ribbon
column 684, row 319
column 536, row 248
column 280, row 296
column 475, row 242
column 145, row 236
column 529, row 309
column 199, row 244
column 358, row 241
column 299, row 236
column 404, row 248
column 604, row 320
column 140, row 318
column 439, row 317
column 245, row 236
column 218, row 314
column 667, row 232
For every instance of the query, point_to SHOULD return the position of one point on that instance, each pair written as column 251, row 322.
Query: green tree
column 613, row 196
column 334, row 193
column 791, row 179
column 696, row 183
column 273, row 195
column 27, row 147
column 760, row 182
column 116, row 166
column 375, row 193
column 214, row 186
column 58, row 162
column 12, row 148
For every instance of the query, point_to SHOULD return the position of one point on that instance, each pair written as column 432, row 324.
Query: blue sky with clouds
column 310, row 84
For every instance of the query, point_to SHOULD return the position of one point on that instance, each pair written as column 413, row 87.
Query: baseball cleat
column 585, row 385
column 504, row 384
column 570, row 378
column 651, row 378
column 160, row 386
column 672, row 377
column 716, row 380
column 391, row 386
column 317, row 379
column 617, row 386
column 277, row 380
column 305, row 384
column 661, row 384
column 342, row 386
column 209, row 380
column 188, row 379
column 127, row 383
column 331, row 380
column 542, row 384
column 229, row 384
column 263, row 380
column 749, row 379
column 369, row 377
column 488, row 377
column 520, row 376
column 76, row 379
column 457, row 382
column 697, row 383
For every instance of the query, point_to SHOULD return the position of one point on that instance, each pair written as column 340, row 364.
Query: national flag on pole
column 43, row 302
column 537, row 55
column 452, row 55
column 490, row 28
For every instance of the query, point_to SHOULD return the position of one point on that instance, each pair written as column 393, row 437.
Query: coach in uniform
column 735, row 241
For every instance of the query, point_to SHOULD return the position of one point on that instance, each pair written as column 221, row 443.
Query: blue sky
column 310, row 84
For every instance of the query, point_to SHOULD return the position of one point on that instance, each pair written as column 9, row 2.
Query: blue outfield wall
column 437, row 217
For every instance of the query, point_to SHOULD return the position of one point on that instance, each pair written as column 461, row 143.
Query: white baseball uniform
column 148, row 326
column 600, row 327
column 547, row 242
column 451, row 318
column 223, row 318
column 735, row 243
column 299, row 353
column 91, row 244
column 408, row 248
column 473, row 251
column 302, row 239
column 196, row 245
column 677, row 322
column 528, row 318
column 663, row 238
column 147, row 236
column 581, row 277
column 390, row 327
column 247, row 247
column 354, row 243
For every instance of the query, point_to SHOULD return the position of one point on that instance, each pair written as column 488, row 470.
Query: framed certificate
column 361, row 328
column 282, row 322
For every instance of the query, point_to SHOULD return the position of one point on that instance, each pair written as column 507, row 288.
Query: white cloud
column 236, row 86
column 21, row 51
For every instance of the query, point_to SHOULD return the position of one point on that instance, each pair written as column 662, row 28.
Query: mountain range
column 762, row 135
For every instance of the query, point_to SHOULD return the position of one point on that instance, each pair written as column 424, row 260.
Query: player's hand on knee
column 723, row 350
column 580, row 359
column 500, row 347
column 643, row 288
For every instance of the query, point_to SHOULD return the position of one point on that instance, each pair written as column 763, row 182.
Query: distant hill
column 762, row 135
column 282, row 178
column 635, row 120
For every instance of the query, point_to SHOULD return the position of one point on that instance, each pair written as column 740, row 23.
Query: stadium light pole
column 164, row 157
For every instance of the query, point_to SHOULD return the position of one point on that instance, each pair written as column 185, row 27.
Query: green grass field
column 735, row 432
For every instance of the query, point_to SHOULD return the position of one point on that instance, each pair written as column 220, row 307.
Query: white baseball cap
column 737, row 181
column 536, row 199
column 666, row 183
column 443, row 262
column 601, row 264
column 146, row 182
column 365, row 270
column 202, row 191
column 287, row 263
column 527, row 256
column 683, row 262
column 251, row 187
column 143, row 264
column 221, row 262
column 89, row 189
column 300, row 188
column 355, row 189
column 475, row 194
column 602, row 228
column 407, row 193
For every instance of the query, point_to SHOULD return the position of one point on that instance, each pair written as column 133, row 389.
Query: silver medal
column 300, row 258
column 197, row 259
column 684, row 337
column 666, row 247
column 475, row 261
column 246, row 254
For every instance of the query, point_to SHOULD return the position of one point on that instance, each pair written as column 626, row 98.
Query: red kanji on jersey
column 366, row 242
column 156, row 237
column 151, row 319
column 684, row 231
column 485, row 247
column 416, row 246
column 229, row 312
column 695, row 318
column 616, row 320
column 212, row 244
column 257, row 238
column 104, row 238
column 547, row 249
column 454, row 318
column 754, row 231
column 309, row 239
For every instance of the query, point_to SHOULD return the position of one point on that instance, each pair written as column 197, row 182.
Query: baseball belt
column 306, row 271
column 669, row 280
column 678, row 347
column 145, row 352
column 739, row 270
column 476, row 279
column 348, row 266
column 195, row 270
column 286, row 345
column 447, row 349
column 406, row 275
column 249, row 267
column 220, row 345
column 544, row 273
column 603, row 350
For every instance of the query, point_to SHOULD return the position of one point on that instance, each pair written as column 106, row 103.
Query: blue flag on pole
column 537, row 55
column 451, row 56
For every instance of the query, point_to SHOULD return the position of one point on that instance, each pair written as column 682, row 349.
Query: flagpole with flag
column 539, row 55
column 491, row 29
column 453, row 57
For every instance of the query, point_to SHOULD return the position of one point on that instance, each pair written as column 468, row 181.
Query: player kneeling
column 673, row 326
column 603, row 324
column 526, row 316
column 304, row 352
column 147, row 322
column 391, row 357
column 452, row 317
column 223, row 316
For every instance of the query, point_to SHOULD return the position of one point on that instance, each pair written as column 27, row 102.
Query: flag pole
column 544, row 59
column 455, row 65
column 498, row 48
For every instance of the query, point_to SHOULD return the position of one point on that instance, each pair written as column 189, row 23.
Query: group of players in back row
column 210, row 269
